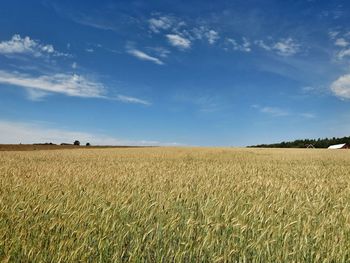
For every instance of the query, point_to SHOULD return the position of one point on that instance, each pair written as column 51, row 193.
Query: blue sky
column 211, row 73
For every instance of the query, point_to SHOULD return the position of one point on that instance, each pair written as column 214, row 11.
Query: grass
column 175, row 205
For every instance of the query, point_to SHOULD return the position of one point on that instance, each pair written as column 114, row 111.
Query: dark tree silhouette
column 319, row 143
column 88, row 144
column 76, row 143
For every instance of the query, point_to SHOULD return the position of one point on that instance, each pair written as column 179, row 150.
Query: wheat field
column 175, row 205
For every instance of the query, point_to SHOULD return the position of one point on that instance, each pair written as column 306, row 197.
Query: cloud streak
column 274, row 111
column 127, row 99
column 71, row 85
column 68, row 84
column 143, row 56
column 279, row 112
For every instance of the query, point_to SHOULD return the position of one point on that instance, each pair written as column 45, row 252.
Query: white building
column 339, row 146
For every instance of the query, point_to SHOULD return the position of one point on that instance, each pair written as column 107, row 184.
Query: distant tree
column 76, row 143
column 88, row 144
column 319, row 143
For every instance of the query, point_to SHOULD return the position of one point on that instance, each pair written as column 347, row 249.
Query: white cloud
column 283, row 47
column 308, row 89
column 333, row 34
column 315, row 90
column 89, row 50
column 212, row 36
column 341, row 42
column 127, row 99
column 278, row 112
column 74, row 65
column 341, row 87
column 166, row 23
column 343, row 53
column 179, row 41
column 308, row 115
column 160, row 23
column 67, row 84
column 36, row 95
column 263, row 45
column 160, row 51
column 202, row 32
column 26, row 45
column 143, row 56
column 179, row 33
column 274, row 111
column 286, row 47
column 23, row 132
column 244, row 46
column 71, row 85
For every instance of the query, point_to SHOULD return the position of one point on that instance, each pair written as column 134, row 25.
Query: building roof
column 337, row 146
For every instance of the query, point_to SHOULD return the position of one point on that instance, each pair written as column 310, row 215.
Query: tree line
column 316, row 143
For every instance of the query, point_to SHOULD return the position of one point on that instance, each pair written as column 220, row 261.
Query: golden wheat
column 175, row 205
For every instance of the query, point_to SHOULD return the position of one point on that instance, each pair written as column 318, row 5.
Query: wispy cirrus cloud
column 273, row 111
column 279, row 112
column 159, row 51
column 315, row 90
column 333, row 34
column 308, row 115
column 203, row 33
column 283, row 47
column 343, row 53
column 36, row 94
column 28, row 46
column 178, row 41
column 341, row 41
column 143, row 56
column 181, row 33
column 68, row 84
column 245, row 46
column 212, row 36
column 128, row 99
column 89, row 50
column 46, row 80
column 94, row 18
column 160, row 23
column 286, row 47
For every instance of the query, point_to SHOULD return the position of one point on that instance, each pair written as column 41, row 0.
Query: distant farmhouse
column 339, row 146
